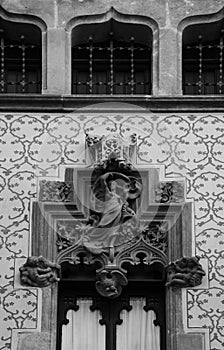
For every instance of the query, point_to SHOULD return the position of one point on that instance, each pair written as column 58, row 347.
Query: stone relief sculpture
column 112, row 203
column 101, row 147
column 55, row 191
column 185, row 272
column 109, row 283
column 39, row 272
column 109, row 228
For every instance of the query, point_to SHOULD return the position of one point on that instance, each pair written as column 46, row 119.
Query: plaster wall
column 39, row 145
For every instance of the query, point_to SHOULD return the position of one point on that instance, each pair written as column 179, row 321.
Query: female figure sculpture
column 109, row 202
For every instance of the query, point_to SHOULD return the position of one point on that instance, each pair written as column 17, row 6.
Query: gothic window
column 133, row 321
column 203, row 59
column 111, row 58
column 115, row 230
column 20, row 51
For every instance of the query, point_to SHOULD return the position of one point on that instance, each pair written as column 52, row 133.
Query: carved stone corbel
column 110, row 281
column 185, row 272
column 39, row 272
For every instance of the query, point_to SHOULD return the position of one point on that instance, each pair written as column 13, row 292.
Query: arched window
column 111, row 58
column 112, row 296
column 203, row 59
column 20, row 51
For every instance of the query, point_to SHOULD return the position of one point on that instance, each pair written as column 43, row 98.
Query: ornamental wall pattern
column 36, row 146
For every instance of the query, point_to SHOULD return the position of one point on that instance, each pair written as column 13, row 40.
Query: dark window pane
column 20, row 58
column 115, row 67
column 203, row 59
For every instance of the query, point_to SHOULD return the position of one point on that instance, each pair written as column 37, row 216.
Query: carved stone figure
column 39, row 272
column 185, row 272
column 112, row 204
column 109, row 283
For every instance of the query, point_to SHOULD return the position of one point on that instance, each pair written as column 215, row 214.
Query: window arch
column 21, row 57
column 111, row 58
column 203, row 52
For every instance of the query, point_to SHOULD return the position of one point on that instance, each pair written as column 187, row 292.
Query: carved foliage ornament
column 39, row 272
column 185, row 272
column 55, row 191
column 170, row 192
column 99, row 148
column 70, row 233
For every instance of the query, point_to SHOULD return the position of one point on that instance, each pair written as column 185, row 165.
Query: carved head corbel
column 39, row 272
column 110, row 281
column 185, row 272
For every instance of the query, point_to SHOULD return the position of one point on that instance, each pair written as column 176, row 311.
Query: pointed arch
column 38, row 23
column 121, row 18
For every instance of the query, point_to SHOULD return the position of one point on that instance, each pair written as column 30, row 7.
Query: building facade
column 73, row 69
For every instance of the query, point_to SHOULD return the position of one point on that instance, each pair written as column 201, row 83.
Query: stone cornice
column 69, row 103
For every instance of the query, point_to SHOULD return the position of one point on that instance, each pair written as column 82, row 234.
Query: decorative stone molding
column 108, row 245
column 111, row 276
column 134, row 252
column 140, row 251
column 110, row 281
column 170, row 192
column 55, row 191
column 156, row 234
column 185, row 272
column 39, row 272
column 99, row 148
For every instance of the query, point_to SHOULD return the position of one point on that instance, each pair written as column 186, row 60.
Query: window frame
column 112, row 14
column 153, row 291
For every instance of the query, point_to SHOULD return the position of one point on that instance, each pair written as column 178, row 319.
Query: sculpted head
column 120, row 187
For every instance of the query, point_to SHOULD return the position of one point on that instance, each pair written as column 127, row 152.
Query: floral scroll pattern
column 33, row 146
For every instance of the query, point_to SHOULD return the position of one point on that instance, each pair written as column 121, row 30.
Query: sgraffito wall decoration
column 35, row 146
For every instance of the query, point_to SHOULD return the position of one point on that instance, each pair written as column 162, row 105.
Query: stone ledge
column 71, row 103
